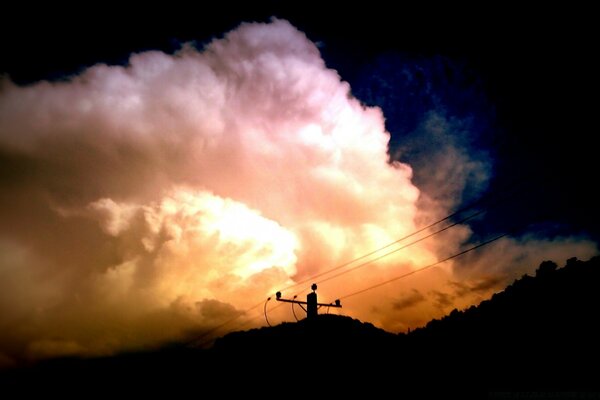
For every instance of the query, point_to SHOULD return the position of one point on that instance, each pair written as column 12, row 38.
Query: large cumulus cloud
column 148, row 202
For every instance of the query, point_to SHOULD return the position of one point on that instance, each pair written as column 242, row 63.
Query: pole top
column 314, row 287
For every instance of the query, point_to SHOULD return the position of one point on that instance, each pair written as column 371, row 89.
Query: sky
column 162, row 172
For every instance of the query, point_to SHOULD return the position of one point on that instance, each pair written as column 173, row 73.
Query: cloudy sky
column 161, row 173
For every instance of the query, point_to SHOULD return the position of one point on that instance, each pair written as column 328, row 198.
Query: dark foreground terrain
column 540, row 335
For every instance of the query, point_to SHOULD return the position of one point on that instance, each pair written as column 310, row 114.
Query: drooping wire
column 265, row 311
column 294, row 312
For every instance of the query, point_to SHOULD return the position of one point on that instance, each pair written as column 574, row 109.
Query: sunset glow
column 168, row 195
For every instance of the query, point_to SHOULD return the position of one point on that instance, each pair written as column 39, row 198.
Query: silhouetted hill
column 555, row 301
column 325, row 334
column 540, row 333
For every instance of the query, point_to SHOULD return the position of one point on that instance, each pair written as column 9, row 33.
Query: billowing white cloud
column 148, row 202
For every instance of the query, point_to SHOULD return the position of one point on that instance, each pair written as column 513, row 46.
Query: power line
column 359, row 291
column 238, row 326
column 423, row 268
column 248, row 321
column 216, row 328
column 486, row 198
column 400, row 248
column 311, row 278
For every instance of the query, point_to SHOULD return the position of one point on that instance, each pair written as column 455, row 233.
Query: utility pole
column 312, row 305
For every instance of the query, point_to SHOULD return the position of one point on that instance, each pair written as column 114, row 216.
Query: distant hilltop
column 539, row 334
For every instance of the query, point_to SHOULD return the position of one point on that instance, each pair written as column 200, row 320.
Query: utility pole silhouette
column 312, row 305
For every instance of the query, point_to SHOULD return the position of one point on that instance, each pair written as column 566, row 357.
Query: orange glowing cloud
column 148, row 202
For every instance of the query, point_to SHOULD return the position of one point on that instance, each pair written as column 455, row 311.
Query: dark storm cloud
column 413, row 298
column 143, row 201
column 481, row 285
column 440, row 119
column 441, row 299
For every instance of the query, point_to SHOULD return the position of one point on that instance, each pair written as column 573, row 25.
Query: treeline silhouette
column 539, row 334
